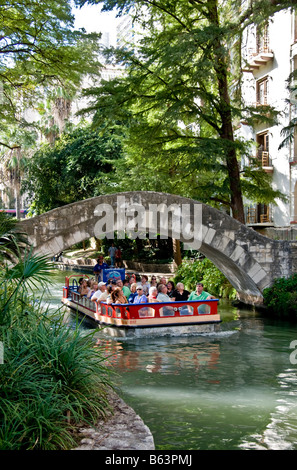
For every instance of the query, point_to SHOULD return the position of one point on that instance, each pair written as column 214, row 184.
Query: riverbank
column 123, row 429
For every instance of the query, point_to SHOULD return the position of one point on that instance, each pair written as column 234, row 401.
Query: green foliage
column 189, row 273
column 281, row 298
column 80, row 165
column 179, row 99
column 143, row 250
column 12, row 241
column 53, row 376
column 39, row 48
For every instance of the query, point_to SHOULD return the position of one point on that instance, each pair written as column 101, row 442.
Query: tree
column 80, row 165
column 39, row 48
column 40, row 51
column 177, row 100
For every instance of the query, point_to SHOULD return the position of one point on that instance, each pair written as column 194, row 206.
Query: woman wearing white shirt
column 162, row 296
column 140, row 297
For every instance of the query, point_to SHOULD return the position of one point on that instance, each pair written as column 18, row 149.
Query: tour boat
column 146, row 319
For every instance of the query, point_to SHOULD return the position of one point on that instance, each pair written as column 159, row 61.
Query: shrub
column 204, row 270
column 52, row 378
column 281, row 297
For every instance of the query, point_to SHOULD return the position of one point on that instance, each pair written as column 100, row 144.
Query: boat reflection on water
column 158, row 358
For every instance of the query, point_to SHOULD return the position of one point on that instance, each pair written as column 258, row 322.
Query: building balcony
column 265, row 161
column 257, row 59
column 258, row 216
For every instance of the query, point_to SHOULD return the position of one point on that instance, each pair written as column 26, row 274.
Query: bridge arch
column 249, row 260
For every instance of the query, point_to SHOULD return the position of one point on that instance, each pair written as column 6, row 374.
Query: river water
column 235, row 389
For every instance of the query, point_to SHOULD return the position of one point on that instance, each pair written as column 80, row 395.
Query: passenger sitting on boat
column 170, row 290
column 83, row 288
column 110, row 288
column 180, row 293
column 140, row 297
column 125, row 289
column 93, row 289
column 104, row 295
column 133, row 293
column 118, row 297
column 145, row 284
column 153, row 292
column 153, row 281
column 200, row 294
column 98, row 294
column 162, row 295
column 80, row 282
column 132, row 279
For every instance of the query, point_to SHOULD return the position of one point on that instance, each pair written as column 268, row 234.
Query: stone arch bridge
column 249, row 260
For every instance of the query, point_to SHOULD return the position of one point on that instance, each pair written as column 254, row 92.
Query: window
column 262, row 91
column 262, row 38
column 263, row 149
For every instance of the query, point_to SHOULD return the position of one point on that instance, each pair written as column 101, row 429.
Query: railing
column 148, row 310
column 160, row 309
column 253, row 219
column 251, row 215
column 83, row 301
column 255, row 58
column 264, row 158
column 74, row 286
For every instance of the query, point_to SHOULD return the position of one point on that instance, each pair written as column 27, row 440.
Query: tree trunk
column 226, row 131
column 176, row 251
column 17, row 185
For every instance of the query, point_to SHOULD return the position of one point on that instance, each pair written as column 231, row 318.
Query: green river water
column 235, row 389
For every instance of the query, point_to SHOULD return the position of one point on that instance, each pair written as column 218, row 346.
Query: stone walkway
column 122, row 430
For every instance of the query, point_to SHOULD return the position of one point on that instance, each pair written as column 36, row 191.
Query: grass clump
column 53, row 378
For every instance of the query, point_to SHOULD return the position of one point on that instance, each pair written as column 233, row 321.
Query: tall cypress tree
column 178, row 98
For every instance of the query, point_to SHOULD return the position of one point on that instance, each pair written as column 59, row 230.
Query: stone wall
column 139, row 267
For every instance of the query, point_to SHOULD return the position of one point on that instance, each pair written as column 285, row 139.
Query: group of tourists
column 143, row 291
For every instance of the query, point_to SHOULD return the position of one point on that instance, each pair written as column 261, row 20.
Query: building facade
column 269, row 56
